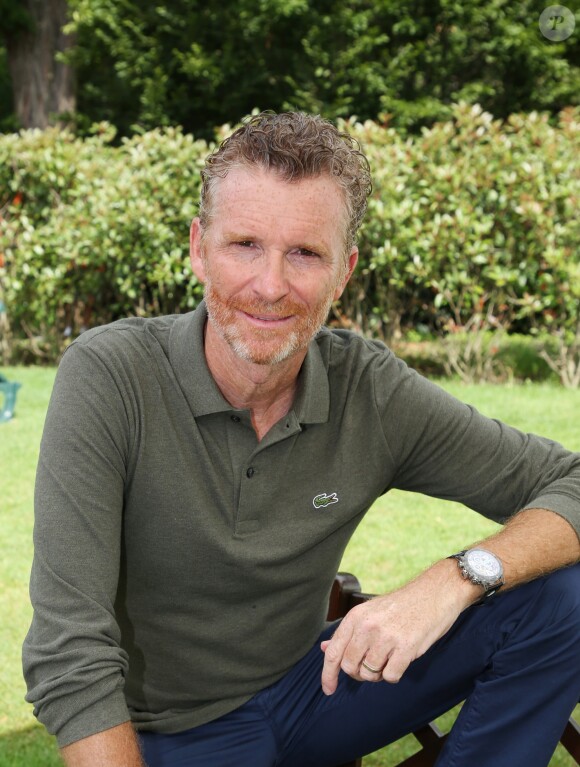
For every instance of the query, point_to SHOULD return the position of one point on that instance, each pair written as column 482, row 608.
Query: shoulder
column 119, row 354
column 370, row 369
column 125, row 332
column 128, row 341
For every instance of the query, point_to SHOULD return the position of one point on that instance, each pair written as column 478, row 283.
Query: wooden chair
column 347, row 593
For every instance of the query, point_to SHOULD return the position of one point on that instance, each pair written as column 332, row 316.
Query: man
column 201, row 475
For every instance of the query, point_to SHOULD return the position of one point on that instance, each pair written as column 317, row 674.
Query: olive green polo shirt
column 181, row 565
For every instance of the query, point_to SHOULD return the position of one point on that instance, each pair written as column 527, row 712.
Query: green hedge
column 472, row 219
column 93, row 232
column 475, row 216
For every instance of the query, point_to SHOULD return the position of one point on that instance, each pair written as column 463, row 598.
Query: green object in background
column 9, row 389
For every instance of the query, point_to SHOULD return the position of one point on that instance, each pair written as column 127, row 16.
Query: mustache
column 256, row 306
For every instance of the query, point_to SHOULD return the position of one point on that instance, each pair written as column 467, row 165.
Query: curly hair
column 297, row 146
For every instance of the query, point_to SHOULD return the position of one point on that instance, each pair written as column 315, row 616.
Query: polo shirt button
column 235, row 418
column 250, row 472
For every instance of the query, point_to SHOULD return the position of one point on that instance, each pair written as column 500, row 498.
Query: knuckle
column 332, row 654
column 348, row 667
column 392, row 676
column 395, row 669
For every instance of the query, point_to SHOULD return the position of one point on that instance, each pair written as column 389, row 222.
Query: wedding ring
column 372, row 669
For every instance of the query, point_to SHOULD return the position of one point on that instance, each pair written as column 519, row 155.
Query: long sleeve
column 447, row 449
column 73, row 664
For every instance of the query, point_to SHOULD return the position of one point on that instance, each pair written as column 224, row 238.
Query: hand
column 391, row 631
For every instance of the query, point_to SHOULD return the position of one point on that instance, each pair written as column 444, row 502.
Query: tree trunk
column 44, row 88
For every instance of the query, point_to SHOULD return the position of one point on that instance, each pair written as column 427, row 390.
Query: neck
column 267, row 391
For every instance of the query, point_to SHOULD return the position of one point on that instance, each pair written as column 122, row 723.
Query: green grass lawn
column 401, row 534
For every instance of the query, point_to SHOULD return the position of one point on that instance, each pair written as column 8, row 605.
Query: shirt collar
column 186, row 353
column 312, row 402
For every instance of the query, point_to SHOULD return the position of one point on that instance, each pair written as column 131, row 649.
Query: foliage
column 563, row 317
column 482, row 355
column 187, row 62
column 566, row 360
column 141, row 65
column 15, row 17
column 472, row 223
column 474, row 218
column 409, row 60
column 199, row 64
column 93, row 232
column 522, row 356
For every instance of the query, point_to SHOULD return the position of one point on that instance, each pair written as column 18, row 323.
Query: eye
column 305, row 253
column 245, row 244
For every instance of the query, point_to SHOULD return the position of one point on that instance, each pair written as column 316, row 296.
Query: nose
column 271, row 280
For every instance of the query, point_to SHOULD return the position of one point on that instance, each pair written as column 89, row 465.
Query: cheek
column 220, row 276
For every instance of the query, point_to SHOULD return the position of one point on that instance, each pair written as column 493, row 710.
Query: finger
column 356, row 653
column 371, row 671
column 333, row 655
column 396, row 666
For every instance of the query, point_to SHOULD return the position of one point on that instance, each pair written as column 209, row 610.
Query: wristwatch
column 482, row 568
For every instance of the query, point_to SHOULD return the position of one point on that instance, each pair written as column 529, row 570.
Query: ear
column 195, row 258
column 352, row 262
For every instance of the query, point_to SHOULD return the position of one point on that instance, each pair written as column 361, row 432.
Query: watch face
column 484, row 564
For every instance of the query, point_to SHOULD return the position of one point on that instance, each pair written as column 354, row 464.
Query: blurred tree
column 43, row 85
column 409, row 60
column 201, row 63
column 197, row 63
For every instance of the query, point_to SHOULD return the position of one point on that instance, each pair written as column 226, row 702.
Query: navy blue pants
column 515, row 660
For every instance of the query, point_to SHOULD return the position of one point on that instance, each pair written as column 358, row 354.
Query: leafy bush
column 473, row 215
column 484, row 356
column 474, row 218
column 522, row 356
column 93, row 233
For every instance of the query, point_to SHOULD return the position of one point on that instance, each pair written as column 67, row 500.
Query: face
column 272, row 260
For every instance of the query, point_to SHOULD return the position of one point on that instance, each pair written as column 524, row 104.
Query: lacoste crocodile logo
column 322, row 501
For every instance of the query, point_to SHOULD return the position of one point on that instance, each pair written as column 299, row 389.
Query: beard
column 263, row 346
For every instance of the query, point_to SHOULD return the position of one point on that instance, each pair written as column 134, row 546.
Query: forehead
column 263, row 198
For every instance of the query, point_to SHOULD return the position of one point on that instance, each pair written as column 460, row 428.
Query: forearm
column 533, row 543
column 116, row 747
column 392, row 630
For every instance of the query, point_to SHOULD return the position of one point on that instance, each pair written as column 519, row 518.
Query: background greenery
column 197, row 63
column 402, row 534
column 471, row 232
column 471, row 237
